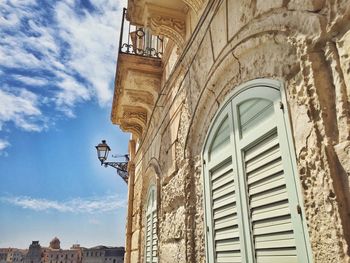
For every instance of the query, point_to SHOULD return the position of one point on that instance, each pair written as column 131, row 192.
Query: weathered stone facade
column 303, row 44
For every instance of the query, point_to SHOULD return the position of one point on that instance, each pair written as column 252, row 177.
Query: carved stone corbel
column 136, row 115
column 133, row 128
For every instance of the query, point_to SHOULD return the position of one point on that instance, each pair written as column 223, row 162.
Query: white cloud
column 78, row 205
column 3, row 144
column 66, row 51
column 94, row 57
column 34, row 81
column 21, row 108
column 78, row 49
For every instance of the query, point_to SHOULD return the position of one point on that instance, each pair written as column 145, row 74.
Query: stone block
column 218, row 30
column 134, row 256
column 306, row 5
column 172, row 227
column 173, row 193
column 135, row 239
column 172, row 252
column 203, row 61
column 263, row 6
column 239, row 14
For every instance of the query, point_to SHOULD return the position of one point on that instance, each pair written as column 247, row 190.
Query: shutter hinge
column 204, row 161
column 207, row 229
column 299, row 209
column 281, row 105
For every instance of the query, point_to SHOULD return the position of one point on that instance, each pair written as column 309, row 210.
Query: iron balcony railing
column 137, row 40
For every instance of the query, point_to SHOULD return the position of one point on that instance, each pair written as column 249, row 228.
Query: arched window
column 151, row 239
column 253, row 207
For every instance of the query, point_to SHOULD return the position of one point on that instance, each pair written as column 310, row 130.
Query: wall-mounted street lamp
column 122, row 167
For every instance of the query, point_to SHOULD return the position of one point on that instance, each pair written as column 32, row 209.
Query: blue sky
column 57, row 65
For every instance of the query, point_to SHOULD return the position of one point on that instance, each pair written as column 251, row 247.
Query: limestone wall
column 303, row 43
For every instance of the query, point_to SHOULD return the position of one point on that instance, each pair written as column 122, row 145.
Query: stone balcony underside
column 137, row 86
column 164, row 18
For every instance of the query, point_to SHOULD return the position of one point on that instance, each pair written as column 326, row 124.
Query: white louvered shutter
column 151, row 239
column 250, row 192
column 221, row 192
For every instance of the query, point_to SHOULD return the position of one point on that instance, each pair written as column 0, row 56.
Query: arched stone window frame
column 151, row 225
column 259, row 88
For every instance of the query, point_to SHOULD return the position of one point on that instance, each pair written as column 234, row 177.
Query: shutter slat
column 228, row 257
column 228, row 245
column 266, row 171
column 221, row 169
column 225, row 211
column 226, row 222
column 270, row 211
column 228, row 188
column 274, row 181
column 277, row 259
column 265, row 145
column 224, row 179
column 264, row 159
column 226, row 233
column 269, row 197
column 224, row 200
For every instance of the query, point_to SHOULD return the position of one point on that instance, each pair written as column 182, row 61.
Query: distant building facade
column 34, row 253
column 54, row 253
column 12, row 255
column 102, row 254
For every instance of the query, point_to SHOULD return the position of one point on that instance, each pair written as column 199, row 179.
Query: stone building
column 34, row 253
column 16, row 255
column 240, row 130
column 103, row 254
column 54, row 253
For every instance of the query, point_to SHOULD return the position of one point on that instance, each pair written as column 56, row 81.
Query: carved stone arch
column 168, row 23
column 154, row 164
column 195, row 5
column 234, row 67
column 150, row 177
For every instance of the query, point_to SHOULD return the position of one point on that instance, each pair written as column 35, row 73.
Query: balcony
column 138, row 77
column 137, row 40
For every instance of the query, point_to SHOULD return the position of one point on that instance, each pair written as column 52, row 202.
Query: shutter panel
column 250, row 189
column 154, row 237
column 148, row 238
column 271, row 224
column 151, row 239
column 224, row 213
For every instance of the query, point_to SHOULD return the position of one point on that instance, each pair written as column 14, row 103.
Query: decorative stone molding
column 132, row 127
column 195, row 5
column 166, row 22
column 137, row 86
column 136, row 114
column 169, row 27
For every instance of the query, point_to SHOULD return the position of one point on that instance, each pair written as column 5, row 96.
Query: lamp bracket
column 122, row 168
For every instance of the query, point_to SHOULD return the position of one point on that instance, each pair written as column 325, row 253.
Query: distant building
column 3, row 255
column 103, row 254
column 34, row 253
column 54, row 253
column 16, row 255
